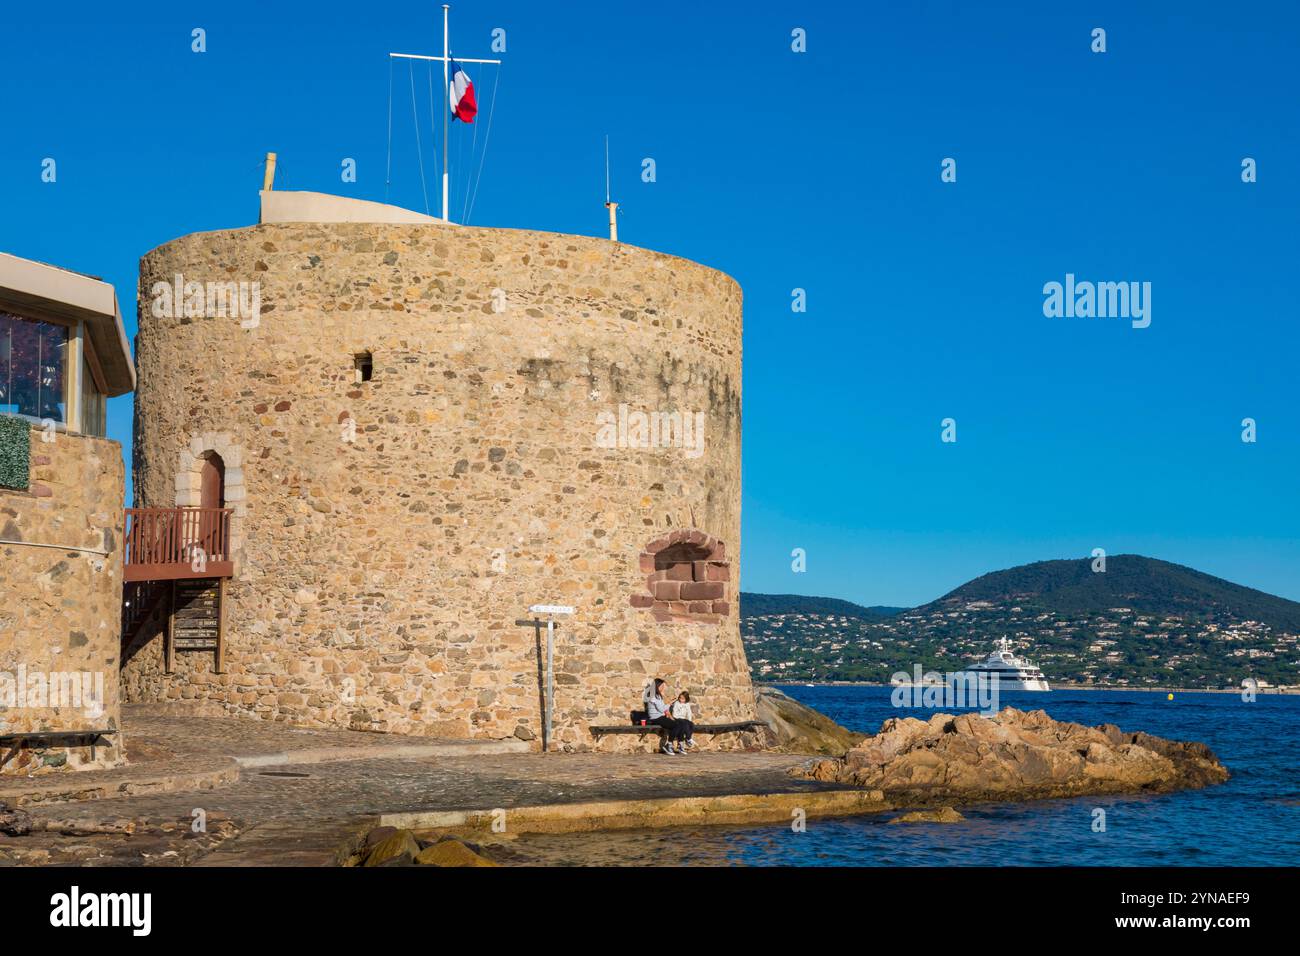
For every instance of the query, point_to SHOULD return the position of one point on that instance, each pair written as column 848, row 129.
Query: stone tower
column 421, row 430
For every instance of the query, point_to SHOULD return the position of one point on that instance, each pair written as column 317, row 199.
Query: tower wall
column 389, row 533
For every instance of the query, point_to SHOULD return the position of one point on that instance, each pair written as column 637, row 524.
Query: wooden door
column 212, row 495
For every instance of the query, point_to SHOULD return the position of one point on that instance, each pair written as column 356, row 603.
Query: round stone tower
column 421, row 430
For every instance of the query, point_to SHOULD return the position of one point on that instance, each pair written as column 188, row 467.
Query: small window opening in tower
column 365, row 366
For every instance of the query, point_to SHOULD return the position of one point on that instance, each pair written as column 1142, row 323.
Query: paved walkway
column 171, row 750
column 162, row 729
column 293, row 794
column 374, row 787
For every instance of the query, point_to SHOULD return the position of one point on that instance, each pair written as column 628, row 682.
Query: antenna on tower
column 611, row 206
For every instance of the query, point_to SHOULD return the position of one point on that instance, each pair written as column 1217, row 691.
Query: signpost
column 196, row 618
column 551, row 611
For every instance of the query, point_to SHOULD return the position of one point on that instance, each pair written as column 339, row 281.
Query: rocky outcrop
column 390, row 846
column 796, row 728
column 941, row 815
column 14, row 822
column 1014, row 755
column 451, row 852
column 395, row 848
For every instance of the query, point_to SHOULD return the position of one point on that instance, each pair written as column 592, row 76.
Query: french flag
column 463, row 106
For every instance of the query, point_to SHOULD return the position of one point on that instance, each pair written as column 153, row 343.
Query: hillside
column 758, row 604
column 1141, row 622
column 1143, row 584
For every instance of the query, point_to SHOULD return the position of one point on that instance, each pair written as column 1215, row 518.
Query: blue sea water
column 1252, row 820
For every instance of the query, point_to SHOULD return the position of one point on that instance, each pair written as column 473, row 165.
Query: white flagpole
column 446, row 112
column 446, row 98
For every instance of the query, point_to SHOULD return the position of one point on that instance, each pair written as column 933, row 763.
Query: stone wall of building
column 392, row 531
column 60, row 617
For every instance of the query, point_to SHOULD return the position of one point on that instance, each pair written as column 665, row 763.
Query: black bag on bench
column 639, row 717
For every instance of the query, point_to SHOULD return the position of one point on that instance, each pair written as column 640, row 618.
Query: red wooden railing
column 168, row 544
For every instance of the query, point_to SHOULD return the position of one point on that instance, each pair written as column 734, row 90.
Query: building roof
column 294, row 206
column 64, row 294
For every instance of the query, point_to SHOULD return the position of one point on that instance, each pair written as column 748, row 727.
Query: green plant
column 15, row 453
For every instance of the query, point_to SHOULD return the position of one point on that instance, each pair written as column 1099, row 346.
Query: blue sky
column 818, row 171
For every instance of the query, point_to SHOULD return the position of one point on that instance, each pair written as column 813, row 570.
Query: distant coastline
column 1114, row 688
column 1144, row 623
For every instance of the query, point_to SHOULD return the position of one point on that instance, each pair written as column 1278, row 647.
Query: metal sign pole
column 550, row 679
column 548, row 710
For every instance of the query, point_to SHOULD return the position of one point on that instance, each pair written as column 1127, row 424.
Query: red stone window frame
column 687, row 578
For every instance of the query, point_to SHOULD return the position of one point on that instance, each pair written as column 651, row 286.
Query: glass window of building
column 33, row 368
column 93, row 404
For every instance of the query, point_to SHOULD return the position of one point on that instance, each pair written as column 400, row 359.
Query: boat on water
column 1013, row 673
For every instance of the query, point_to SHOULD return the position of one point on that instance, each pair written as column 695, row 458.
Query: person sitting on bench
column 681, row 712
column 657, row 714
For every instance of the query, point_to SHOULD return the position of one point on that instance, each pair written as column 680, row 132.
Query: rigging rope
column 433, row 126
column 388, row 176
column 418, row 151
column 486, row 136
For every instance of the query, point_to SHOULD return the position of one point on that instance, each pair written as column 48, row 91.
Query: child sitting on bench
column 682, row 713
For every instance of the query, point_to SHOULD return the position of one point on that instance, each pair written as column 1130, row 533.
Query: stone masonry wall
column 393, row 531
column 61, row 609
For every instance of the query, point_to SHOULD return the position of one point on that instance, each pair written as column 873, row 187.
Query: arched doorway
column 212, row 482
column 212, row 498
column 210, row 474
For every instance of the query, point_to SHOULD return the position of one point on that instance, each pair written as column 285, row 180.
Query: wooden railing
column 169, row 544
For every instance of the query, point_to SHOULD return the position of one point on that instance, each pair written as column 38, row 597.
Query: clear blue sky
column 818, row 171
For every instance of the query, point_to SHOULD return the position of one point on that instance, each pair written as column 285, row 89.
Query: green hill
column 752, row 605
column 1147, row 585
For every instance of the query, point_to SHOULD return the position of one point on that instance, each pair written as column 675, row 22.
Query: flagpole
column 446, row 111
column 446, row 100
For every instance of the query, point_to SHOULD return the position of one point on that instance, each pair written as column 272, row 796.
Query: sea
column 1252, row 820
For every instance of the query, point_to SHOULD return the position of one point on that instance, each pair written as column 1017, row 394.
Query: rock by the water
column 942, row 815
column 796, row 728
column 14, row 822
column 1014, row 755
column 396, row 849
column 378, row 835
column 451, row 853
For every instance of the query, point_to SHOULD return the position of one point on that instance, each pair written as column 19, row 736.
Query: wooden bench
column 643, row 729
column 52, row 738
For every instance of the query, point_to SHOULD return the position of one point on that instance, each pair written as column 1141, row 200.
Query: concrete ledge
column 742, row 808
column 123, row 782
column 291, row 843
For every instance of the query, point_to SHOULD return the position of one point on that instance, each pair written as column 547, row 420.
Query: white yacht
column 1014, row 673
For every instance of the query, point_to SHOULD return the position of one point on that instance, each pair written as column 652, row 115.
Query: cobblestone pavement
column 169, row 749
column 303, row 799
column 362, row 787
column 156, row 732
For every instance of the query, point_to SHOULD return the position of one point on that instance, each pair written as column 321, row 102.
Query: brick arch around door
column 212, row 465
